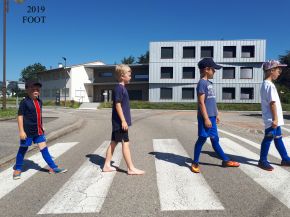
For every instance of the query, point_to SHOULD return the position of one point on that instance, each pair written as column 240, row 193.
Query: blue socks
column 20, row 157
column 46, row 156
column 215, row 144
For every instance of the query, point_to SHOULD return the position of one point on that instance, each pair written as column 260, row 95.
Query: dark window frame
column 229, row 68
column 188, row 48
column 183, row 77
column 163, row 68
column 166, row 88
column 229, row 50
column 188, row 88
column 247, row 68
column 229, row 88
column 204, row 47
column 251, row 93
column 164, row 55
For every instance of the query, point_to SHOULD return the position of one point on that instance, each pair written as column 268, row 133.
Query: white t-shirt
column 269, row 94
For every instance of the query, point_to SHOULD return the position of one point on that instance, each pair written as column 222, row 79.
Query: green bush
column 8, row 113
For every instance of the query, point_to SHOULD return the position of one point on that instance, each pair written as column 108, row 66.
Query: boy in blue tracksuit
column 31, row 130
column 207, row 115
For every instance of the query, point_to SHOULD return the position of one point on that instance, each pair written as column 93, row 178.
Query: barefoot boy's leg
column 127, row 156
column 107, row 165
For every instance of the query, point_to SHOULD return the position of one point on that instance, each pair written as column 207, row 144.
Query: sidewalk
column 56, row 124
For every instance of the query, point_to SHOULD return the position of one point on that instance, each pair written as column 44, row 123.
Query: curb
column 50, row 137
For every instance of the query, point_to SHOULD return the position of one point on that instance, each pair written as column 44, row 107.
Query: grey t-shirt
column 206, row 87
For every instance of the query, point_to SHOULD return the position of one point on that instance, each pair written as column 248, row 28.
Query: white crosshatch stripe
column 8, row 184
column 275, row 182
column 179, row 188
column 86, row 190
column 273, row 151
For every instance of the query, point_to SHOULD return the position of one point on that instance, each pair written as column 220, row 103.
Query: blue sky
column 89, row 30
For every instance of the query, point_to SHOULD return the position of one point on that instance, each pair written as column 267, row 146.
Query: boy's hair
column 121, row 70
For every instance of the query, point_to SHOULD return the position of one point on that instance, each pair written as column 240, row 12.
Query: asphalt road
column 167, row 187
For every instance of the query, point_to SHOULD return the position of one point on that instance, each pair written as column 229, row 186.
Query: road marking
column 286, row 129
column 273, row 151
column 179, row 188
column 86, row 190
column 275, row 182
column 8, row 184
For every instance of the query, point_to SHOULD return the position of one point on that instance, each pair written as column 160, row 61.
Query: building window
column 229, row 93
column 206, row 51
column 166, row 72
column 106, row 74
column 247, row 93
column 188, row 72
column 165, row 93
column 187, row 93
column 166, row 52
column 64, row 92
column 188, row 52
column 141, row 77
column 248, row 51
column 229, row 51
column 229, row 73
column 246, row 73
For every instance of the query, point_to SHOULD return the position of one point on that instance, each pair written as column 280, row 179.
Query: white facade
column 54, row 81
column 238, row 82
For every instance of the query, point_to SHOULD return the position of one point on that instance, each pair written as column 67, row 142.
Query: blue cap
column 208, row 62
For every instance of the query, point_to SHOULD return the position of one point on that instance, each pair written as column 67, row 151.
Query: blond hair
column 121, row 70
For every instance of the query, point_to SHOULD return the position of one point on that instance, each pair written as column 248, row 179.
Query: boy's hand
column 207, row 123
column 275, row 124
column 22, row 135
column 124, row 125
column 218, row 120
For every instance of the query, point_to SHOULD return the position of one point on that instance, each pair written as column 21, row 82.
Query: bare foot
column 135, row 171
column 109, row 169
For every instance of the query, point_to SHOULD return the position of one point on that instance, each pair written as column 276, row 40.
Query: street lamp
column 5, row 10
column 64, row 80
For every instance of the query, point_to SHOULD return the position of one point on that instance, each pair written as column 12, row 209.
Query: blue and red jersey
column 31, row 110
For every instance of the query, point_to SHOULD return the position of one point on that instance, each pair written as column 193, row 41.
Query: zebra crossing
column 178, row 188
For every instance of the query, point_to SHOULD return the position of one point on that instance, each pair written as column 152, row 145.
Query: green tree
column 128, row 60
column 13, row 87
column 143, row 59
column 30, row 72
column 284, row 78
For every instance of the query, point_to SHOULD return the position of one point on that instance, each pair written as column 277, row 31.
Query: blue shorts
column 36, row 140
column 207, row 132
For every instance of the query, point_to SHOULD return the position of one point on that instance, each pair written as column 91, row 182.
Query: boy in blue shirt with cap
column 207, row 115
column 31, row 130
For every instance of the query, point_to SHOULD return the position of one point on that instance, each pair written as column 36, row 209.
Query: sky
column 108, row 30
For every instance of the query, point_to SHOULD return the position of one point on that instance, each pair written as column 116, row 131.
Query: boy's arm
column 22, row 133
column 273, row 109
column 201, row 99
column 121, row 116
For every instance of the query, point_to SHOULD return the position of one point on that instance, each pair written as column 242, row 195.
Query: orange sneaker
column 195, row 168
column 230, row 163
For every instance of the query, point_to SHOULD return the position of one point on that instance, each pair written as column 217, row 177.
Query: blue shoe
column 285, row 163
column 265, row 165
column 57, row 170
column 16, row 174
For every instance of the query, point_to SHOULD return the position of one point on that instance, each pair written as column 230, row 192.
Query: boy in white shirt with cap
column 272, row 115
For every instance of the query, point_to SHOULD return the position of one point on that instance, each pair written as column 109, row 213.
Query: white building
column 91, row 82
column 173, row 71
